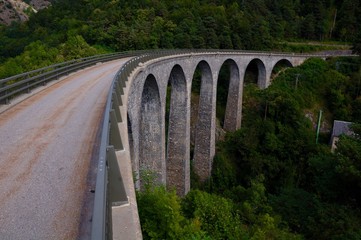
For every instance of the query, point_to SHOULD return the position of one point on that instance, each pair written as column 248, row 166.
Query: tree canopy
column 145, row 24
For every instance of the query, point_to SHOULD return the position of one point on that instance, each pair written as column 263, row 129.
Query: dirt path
column 46, row 145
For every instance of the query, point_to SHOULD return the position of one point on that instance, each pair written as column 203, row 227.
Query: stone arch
column 222, row 87
column 178, row 165
column 281, row 64
column 261, row 70
column 205, row 133
column 284, row 62
column 233, row 113
column 151, row 158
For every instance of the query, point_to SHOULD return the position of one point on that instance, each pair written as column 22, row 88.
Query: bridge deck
column 46, row 146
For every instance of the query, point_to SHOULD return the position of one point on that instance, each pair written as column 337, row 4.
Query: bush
column 216, row 214
column 161, row 217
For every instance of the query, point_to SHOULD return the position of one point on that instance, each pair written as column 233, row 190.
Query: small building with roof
column 339, row 128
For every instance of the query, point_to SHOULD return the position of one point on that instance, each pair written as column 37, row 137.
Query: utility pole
column 265, row 111
column 334, row 23
column 297, row 76
column 358, row 84
column 318, row 125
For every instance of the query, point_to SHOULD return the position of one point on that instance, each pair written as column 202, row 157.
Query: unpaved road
column 46, row 146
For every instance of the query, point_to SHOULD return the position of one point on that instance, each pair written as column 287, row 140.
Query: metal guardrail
column 15, row 85
column 109, row 190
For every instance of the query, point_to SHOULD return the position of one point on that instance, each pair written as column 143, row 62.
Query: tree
column 348, row 167
column 215, row 213
column 306, row 214
column 348, row 22
column 161, row 217
column 356, row 45
column 76, row 47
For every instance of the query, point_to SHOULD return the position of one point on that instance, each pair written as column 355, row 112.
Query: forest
column 270, row 180
column 72, row 29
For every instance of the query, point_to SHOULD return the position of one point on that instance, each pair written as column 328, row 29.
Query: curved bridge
column 146, row 104
column 132, row 135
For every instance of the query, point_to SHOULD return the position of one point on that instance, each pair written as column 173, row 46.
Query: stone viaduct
column 146, row 93
column 144, row 131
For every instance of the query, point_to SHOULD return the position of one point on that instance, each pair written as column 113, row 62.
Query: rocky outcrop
column 17, row 10
column 39, row 4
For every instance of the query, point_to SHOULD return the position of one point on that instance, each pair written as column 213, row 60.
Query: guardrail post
column 115, row 138
column 115, row 106
column 120, row 101
column 116, row 189
column 121, row 91
column 28, row 89
column 123, row 78
column 5, row 100
column 44, row 82
column 118, row 87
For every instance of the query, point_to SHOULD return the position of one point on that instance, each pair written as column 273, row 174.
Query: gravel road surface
column 46, row 147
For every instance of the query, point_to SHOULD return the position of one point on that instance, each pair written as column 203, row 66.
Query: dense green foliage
column 201, row 215
column 270, row 180
column 150, row 24
column 356, row 46
column 161, row 217
column 38, row 54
